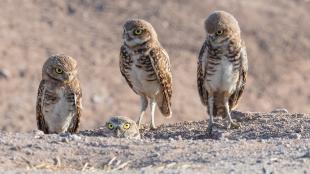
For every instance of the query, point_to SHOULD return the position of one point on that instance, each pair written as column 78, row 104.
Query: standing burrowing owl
column 59, row 96
column 123, row 127
column 146, row 67
column 222, row 67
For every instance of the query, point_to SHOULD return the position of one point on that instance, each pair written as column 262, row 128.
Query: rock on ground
column 267, row 142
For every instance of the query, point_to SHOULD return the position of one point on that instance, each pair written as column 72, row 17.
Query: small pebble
column 179, row 137
column 23, row 73
column 15, row 148
column 295, row 136
column 4, row 74
column 38, row 134
column 29, row 152
column 280, row 110
column 75, row 137
column 96, row 99
column 306, row 155
column 64, row 140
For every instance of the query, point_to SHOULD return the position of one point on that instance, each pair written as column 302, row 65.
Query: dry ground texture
column 267, row 143
column 277, row 36
column 276, row 33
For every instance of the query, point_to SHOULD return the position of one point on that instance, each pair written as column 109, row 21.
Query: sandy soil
column 277, row 36
column 267, row 142
column 276, row 33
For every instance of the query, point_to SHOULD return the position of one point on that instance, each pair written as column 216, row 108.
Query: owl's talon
column 153, row 127
column 233, row 125
column 210, row 127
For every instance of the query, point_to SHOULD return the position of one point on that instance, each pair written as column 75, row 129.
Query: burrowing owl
column 59, row 96
column 146, row 67
column 222, row 67
column 123, row 127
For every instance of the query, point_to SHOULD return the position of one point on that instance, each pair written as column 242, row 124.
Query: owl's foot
column 212, row 125
column 233, row 125
column 153, row 127
column 138, row 124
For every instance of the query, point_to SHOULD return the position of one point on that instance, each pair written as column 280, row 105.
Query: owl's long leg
column 144, row 104
column 210, row 111
column 153, row 106
column 231, row 123
column 211, row 115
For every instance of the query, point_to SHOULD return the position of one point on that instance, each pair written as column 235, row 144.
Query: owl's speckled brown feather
column 202, row 72
column 221, row 20
column 222, row 66
column 146, row 67
column 203, row 93
column 119, row 130
column 125, row 62
column 161, row 65
column 59, row 95
column 75, row 89
column 39, row 114
column 234, row 98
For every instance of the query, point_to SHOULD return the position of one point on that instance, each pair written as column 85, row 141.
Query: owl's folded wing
column 125, row 62
column 203, row 93
column 76, row 96
column 39, row 114
column 161, row 65
column 233, row 100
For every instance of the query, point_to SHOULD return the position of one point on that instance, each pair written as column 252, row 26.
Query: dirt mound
column 254, row 126
column 276, row 33
column 268, row 142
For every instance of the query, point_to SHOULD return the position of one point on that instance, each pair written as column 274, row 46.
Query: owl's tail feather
column 164, row 105
column 219, row 105
column 219, row 112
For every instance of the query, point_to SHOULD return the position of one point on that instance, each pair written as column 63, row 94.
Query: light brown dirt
column 276, row 33
column 267, row 143
column 277, row 36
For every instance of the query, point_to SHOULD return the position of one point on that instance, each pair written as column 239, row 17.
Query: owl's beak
column 128, row 37
column 69, row 77
column 212, row 37
column 117, row 132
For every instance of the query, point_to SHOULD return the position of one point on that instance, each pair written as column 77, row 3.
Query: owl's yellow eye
column 137, row 32
column 110, row 126
column 219, row 32
column 58, row 71
column 126, row 126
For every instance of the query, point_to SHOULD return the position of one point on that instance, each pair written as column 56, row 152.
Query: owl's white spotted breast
column 139, row 76
column 58, row 115
column 224, row 78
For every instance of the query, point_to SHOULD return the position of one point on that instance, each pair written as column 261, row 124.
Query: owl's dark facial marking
column 221, row 26
column 137, row 32
column 60, row 68
column 122, row 127
column 136, row 36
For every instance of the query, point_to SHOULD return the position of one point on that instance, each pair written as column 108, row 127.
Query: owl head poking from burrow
column 123, row 127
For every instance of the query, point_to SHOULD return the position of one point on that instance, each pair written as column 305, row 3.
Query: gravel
column 266, row 143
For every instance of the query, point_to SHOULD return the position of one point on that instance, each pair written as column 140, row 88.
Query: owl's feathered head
column 123, row 127
column 221, row 25
column 60, row 68
column 137, row 32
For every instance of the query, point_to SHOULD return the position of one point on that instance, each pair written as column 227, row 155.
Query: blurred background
column 276, row 32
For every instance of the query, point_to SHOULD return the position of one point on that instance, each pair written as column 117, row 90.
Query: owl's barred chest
column 222, row 74
column 58, row 109
column 143, row 76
